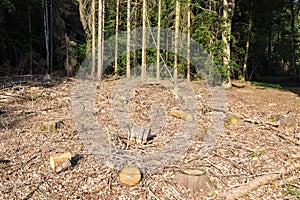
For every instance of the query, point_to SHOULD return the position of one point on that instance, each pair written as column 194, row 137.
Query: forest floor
column 256, row 157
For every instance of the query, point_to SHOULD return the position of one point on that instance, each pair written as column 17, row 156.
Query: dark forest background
column 264, row 39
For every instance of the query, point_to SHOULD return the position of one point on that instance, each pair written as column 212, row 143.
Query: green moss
column 43, row 127
column 4, row 165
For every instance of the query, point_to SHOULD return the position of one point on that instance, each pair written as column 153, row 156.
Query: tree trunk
column 117, row 35
column 294, row 71
column 144, row 59
column 245, row 66
column 93, row 37
column 158, row 42
column 135, row 54
column 227, row 15
column 46, row 30
column 177, row 19
column 51, row 36
column 100, row 29
column 270, row 33
column 30, row 39
column 128, row 41
column 189, row 43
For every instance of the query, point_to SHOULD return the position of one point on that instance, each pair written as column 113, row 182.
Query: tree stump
column 60, row 161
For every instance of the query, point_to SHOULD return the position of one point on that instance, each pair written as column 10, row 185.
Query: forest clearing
column 144, row 99
column 256, row 156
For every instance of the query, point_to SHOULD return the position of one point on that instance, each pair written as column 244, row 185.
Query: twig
column 284, row 136
column 243, row 190
column 285, row 181
column 153, row 194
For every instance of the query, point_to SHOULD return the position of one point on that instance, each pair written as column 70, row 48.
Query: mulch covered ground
column 258, row 147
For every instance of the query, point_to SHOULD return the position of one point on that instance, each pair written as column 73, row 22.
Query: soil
column 261, row 135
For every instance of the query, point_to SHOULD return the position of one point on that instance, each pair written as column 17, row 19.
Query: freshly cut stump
column 60, row 161
column 130, row 176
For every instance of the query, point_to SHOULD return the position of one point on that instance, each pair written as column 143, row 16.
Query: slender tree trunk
column 158, row 42
column 144, row 59
column 135, row 53
column 128, row 41
column 189, row 43
column 51, row 35
column 117, row 35
column 100, row 52
column 93, row 37
column 177, row 19
column 294, row 71
column 245, row 66
column 270, row 33
column 227, row 15
column 46, row 30
column 102, row 39
column 30, row 39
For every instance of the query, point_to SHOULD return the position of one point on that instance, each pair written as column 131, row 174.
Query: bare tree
column 245, row 65
column 93, row 37
column 143, row 73
column 128, row 41
column 293, row 38
column 227, row 15
column 189, row 41
column 30, row 39
column 158, row 42
column 117, row 35
column 100, row 38
column 177, row 20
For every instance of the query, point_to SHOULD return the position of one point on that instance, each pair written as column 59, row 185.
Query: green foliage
column 292, row 190
column 277, row 86
column 6, row 7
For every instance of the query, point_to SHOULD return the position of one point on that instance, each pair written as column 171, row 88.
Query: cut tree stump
column 181, row 115
column 60, row 161
column 139, row 135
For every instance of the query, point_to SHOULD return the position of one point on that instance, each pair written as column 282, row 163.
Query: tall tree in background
column 177, row 20
column 93, row 36
column 249, row 32
column 128, row 41
column 30, row 39
column 100, row 38
column 189, row 41
column 47, row 33
column 117, row 35
column 144, row 61
column 228, row 8
column 293, row 40
column 158, row 41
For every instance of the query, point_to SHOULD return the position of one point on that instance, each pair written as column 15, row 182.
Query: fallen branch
column 284, row 136
column 243, row 190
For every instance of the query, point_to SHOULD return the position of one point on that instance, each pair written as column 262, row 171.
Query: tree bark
column 177, row 19
column 93, row 37
column 189, row 43
column 51, row 36
column 158, row 42
column 293, row 39
column 245, row 66
column 30, row 39
column 128, row 41
column 135, row 53
column 100, row 29
column 227, row 15
column 144, row 59
column 117, row 35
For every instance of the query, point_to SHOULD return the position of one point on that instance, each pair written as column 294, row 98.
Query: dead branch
column 284, row 136
column 243, row 190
